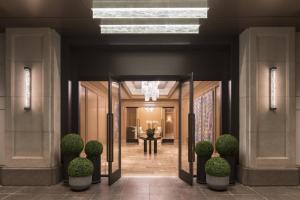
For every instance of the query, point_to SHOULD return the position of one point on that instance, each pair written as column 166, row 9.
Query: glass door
column 186, row 130
column 114, row 131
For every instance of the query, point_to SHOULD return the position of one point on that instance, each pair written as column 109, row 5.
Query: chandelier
column 150, row 90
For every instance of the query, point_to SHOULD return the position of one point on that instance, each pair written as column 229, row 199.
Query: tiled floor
column 146, row 188
column 136, row 163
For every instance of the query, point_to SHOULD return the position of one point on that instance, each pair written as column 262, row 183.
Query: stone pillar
column 32, row 138
column 267, row 138
column 2, row 98
column 298, row 99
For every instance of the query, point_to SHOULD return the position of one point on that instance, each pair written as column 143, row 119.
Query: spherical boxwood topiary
column 217, row 166
column 80, row 167
column 72, row 144
column 227, row 145
column 204, row 149
column 93, row 148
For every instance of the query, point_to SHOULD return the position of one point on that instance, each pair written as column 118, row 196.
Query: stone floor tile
column 248, row 197
column 21, row 197
column 2, row 196
column 100, row 196
column 135, row 197
column 9, row 189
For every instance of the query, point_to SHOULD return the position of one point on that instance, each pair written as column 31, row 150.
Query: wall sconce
column 272, row 85
column 27, row 88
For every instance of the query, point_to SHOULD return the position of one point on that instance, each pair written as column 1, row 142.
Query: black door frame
column 113, row 176
column 187, row 177
column 119, row 78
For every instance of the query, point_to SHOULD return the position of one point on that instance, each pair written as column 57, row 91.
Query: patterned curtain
column 204, row 117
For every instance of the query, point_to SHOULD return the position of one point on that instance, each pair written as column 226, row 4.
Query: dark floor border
column 30, row 176
column 269, row 177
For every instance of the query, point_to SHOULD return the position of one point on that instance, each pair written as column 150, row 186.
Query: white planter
column 80, row 183
column 217, row 183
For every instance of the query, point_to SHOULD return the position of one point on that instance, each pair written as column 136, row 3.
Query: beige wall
column 145, row 116
column 93, row 110
column 2, row 98
column 32, row 138
column 267, row 138
column 142, row 103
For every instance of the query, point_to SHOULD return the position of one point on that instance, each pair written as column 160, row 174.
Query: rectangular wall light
column 150, row 29
column 150, row 12
column 272, row 85
column 27, row 88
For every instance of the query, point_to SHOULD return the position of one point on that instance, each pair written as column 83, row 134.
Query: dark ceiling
column 74, row 17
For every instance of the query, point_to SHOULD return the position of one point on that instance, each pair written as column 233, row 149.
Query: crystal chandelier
column 150, row 90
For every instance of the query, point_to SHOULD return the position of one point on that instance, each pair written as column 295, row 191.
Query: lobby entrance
column 114, row 113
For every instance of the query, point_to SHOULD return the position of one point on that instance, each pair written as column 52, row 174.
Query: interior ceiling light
column 150, row 12
column 150, row 29
column 150, row 90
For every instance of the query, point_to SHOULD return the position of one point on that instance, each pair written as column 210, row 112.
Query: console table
column 154, row 139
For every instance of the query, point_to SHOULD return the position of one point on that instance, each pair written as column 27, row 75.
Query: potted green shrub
column 71, row 147
column 217, row 173
column 93, row 150
column 227, row 146
column 80, row 172
column 204, row 150
column 150, row 132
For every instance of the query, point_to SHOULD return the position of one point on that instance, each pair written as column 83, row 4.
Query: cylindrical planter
column 217, row 183
column 80, row 183
column 96, row 160
column 201, row 175
column 66, row 159
column 232, row 162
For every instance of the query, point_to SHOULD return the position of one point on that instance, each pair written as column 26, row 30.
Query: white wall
column 298, row 98
column 2, row 97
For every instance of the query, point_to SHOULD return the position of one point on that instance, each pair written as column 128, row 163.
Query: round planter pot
column 217, row 183
column 80, row 183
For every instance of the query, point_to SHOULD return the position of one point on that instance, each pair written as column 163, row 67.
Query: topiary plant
column 80, row 167
column 204, row 149
column 93, row 148
column 217, row 166
column 72, row 144
column 227, row 145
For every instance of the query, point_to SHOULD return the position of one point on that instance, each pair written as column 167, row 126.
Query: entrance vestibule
column 133, row 116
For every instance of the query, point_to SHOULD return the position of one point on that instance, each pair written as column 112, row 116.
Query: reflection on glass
column 93, row 102
column 185, row 99
column 116, row 129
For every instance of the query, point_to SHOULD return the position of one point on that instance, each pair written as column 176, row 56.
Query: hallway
column 139, row 188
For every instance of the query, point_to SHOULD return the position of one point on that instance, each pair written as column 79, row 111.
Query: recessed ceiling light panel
column 149, row 12
column 150, row 29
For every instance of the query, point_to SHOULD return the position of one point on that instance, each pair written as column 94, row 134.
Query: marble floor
column 136, row 163
column 149, row 188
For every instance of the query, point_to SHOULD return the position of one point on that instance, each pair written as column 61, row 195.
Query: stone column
column 2, row 98
column 298, row 99
column 267, row 138
column 32, row 138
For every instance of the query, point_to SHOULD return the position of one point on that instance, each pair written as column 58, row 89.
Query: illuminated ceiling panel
column 149, row 12
column 150, row 29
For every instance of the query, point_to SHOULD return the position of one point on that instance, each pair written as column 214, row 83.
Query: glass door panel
column 114, row 131
column 186, row 131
